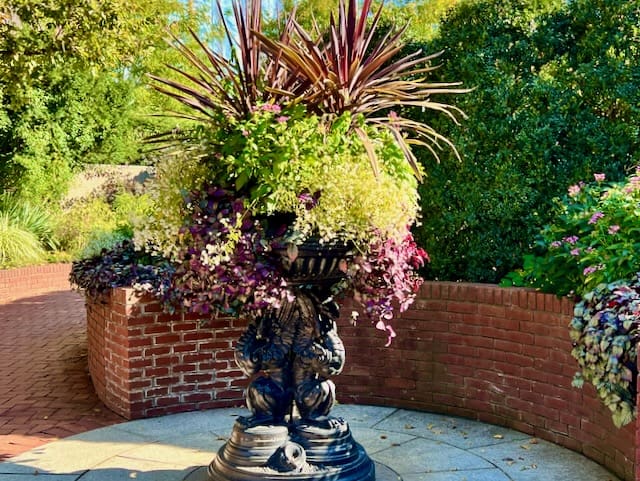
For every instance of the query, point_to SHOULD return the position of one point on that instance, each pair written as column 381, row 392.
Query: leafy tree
column 422, row 17
column 71, row 86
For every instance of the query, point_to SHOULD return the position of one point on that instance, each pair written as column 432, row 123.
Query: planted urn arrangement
column 290, row 183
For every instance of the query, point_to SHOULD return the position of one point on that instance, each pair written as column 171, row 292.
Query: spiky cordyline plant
column 349, row 72
column 346, row 73
column 227, row 87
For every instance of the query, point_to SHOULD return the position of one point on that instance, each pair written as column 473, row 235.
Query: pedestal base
column 300, row 451
column 383, row 473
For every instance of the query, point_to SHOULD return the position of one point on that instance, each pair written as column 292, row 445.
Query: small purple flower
column 595, row 217
column 575, row 252
column 556, row 244
column 245, row 133
column 571, row 239
column 613, row 229
column 589, row 270
column 599, row 177
column 308, row 200
column 282, row 119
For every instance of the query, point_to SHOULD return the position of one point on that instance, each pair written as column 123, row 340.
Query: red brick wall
column 500, row 356
column 146, row 363
column 497, row 355
column 33, row 281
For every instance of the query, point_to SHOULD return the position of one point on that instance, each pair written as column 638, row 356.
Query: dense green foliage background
column 72, row 87
column 556, row 99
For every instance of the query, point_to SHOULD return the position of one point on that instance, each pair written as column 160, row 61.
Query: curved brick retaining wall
column 497, row 355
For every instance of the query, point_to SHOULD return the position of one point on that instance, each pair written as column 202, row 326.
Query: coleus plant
column 605, row 335
column 229, row 266
column 384, row 278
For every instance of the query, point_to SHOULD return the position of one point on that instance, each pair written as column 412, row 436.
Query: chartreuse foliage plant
column 604, row 332
column 279, row 157
column 593, row 239
column 90, row 225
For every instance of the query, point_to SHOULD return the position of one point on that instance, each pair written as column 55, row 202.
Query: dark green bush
column 556, row 100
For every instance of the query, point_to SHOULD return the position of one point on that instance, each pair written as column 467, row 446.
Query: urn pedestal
column 290, row 353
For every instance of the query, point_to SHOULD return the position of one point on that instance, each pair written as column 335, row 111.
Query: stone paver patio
column 417, row 446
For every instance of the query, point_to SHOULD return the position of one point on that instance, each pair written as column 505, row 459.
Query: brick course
column 146, row 363
column 474, row 350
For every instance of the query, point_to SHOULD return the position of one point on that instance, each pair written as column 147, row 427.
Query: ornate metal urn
column 291, row 353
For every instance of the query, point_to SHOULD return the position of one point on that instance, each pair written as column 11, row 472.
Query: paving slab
column 418, row 446
column 459, row 432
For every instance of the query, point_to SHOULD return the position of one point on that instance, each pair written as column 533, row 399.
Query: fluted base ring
column 300, row 452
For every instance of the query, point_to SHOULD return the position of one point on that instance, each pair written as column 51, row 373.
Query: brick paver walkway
column 45, row 389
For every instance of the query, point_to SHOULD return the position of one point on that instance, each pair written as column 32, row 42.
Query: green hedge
column 556, row 100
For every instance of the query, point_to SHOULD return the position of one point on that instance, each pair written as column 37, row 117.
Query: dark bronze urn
column 290, row 354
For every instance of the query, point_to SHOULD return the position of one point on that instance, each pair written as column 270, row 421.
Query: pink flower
column 613, row 229
column 282, row 119
column 574, row 190
column 390, row 332
column 575, row 252
column 274, row 108
column 595, row 217
column 589, row 270
column 571, row 239
column 556, row 244
column 599, row 177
